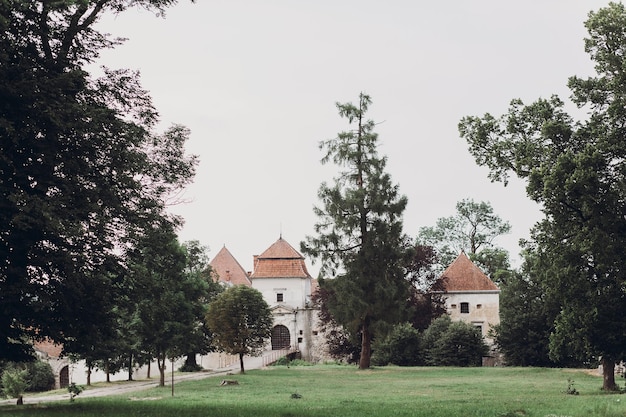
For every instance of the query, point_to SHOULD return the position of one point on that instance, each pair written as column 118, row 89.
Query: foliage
column 39, row 376
column 241, row 322
column 82, row 169
column 359, row 233
column 447, row 343
column 14, row 382
column 472, row 230
column 74, row 390
column 198, row 269
column 577, row 172
column 400, row 347
column 285, row 361
column 527, row 318
column 169, row 302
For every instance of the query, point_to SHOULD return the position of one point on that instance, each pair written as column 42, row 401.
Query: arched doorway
column 64, row 377
column 280, row 337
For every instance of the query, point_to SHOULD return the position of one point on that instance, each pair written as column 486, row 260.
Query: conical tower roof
column 226, row 269
column 464, row 275
column 280, row 260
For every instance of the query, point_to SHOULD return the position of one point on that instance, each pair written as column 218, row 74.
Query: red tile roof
column 464, row 275
column 280, row 260
column 48, row 347
column 227, row 269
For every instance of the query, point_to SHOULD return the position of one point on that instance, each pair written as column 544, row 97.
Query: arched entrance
column 64, row 377
column 280, row 337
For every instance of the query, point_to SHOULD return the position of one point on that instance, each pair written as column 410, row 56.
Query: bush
column 14, row 382
column 448, row 343
column 39, row 376
column 400, row 347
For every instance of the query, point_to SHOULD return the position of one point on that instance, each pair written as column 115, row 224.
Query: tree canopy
column 359, row 232
column 576, row 170
column 82, row 169
column 241, row 322
column 472, row 230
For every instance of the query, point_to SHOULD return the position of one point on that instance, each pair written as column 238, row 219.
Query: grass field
column 332, row 390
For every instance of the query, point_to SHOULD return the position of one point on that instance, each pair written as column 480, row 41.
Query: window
column 279, row 297
column 465, row 308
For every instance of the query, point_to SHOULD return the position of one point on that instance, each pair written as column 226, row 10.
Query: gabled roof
column 280, row 260
column 226, row 269
column 464, row 275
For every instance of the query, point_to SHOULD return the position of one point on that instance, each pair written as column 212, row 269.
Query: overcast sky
column 257, row 82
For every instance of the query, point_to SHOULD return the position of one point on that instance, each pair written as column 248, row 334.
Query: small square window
column 453, row 306
column 465, row 308
column 279, row 297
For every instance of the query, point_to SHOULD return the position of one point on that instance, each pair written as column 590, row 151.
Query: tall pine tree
column 359, row 233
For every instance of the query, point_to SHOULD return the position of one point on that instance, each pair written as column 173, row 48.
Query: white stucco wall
column 296, row 291
column 484, row 308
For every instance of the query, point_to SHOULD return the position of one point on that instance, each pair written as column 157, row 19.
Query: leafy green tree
column 241, row 322
column 471, row 230
column 198, row 269
column 168, row 306
column 577, row 172
column 360, row 233
column 81, row 167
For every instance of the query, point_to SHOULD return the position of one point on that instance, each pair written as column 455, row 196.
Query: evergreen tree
column 359, row 233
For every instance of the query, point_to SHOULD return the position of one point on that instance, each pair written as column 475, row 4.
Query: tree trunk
column 608, row 374
column 130, row 367
column 161, row 365
column 108, row 372
column 366, row 347
column 190, row 362
column 242, row 370
column 20, row 400
column 148, row 375
column 89, row 375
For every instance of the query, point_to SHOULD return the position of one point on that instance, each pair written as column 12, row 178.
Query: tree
column 526, row 318
column 359, row 233
column 168, row 307
column 81, row 167
column 577, row 172
column 198, row 268
column 471, row 230
column 241, row 322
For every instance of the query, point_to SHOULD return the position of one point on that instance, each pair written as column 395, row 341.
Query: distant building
column 470, row 295
column 281, row 276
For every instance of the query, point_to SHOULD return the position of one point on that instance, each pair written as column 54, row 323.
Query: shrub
column 14, row 383
column 400, row 347
column 39, row 376
column 447, row 343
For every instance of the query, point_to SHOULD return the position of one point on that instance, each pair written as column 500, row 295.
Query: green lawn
column 331, row 390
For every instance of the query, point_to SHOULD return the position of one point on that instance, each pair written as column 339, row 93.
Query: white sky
column 257, row 81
